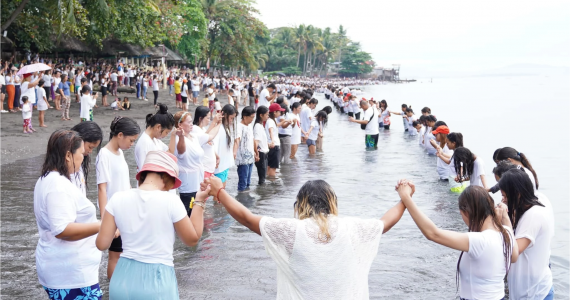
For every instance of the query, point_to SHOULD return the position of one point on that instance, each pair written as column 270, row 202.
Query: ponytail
column 508, row 152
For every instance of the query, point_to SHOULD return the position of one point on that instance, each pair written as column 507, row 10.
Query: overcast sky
column 434, row 36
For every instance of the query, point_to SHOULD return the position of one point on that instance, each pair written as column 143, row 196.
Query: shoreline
column 16, row 145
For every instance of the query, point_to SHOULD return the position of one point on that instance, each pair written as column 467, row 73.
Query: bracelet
column 218, row 194
column 201, row 204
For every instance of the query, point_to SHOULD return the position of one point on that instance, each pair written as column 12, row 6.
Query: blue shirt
column 64, row 86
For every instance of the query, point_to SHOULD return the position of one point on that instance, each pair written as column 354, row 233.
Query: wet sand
column 16, row 145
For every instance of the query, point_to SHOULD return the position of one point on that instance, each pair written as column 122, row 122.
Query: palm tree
column 341, row 40
column 300, row 34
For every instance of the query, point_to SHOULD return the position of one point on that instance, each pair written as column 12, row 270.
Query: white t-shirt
column 427, row 137
column 184, row 92
column 190, row 163
column 211, row 94
column 27, row 110
column 442, row 167
column 79, row 181
column 530, row 277
column 261, row 137
column 315, row 131
column 113, row 170
column 225, row 153
column 195, row 85
column 275, row 136
column 144, row 145
column 482, row 268
column 478, row 170
column 307, row 268
column 209, row 158
column 42, row 104
column 62, row 264
column 385, row 117
column 245, row 153
column 47, row 80
column 263, row 98
column 87, row 103
column 295, row 130
column 155, row 84
column 372, row 126
column 305, row 116
column 113, row 76
column 145, row 219
column 289, row 129
column 422, row 135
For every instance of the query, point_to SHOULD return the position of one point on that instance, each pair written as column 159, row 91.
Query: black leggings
column 261, row 166
column 155, row 96
column 186, row 199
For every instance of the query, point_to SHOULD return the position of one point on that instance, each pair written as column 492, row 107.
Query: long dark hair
column 520, row 194
column 227, row 111
column 508, row 152
column 125, row 125
column 322, row 116
column 477, row 205
column 162, row 117
column 200, row 113
column 457, row 138
column 261, row 110
column 463, row 157
column 60, row 142
column 90, row 132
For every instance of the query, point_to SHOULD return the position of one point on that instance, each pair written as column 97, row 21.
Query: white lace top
column 308, row 268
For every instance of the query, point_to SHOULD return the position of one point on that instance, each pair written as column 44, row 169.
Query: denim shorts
column 195, row 94
column 311, row 142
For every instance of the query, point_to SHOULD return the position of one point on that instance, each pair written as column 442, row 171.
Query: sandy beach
column 16, row 145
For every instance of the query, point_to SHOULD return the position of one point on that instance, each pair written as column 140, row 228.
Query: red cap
column 275, row 107
column 441, row 129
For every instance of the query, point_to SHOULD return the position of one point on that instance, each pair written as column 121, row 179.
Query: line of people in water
column 318, row 254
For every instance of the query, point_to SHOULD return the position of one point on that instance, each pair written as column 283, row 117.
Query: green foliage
column 355, row 61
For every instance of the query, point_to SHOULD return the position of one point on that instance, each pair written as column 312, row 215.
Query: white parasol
column 33, row 68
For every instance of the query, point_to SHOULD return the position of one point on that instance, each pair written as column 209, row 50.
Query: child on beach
column 116, row 105
column 126, row 104
column 27, row 115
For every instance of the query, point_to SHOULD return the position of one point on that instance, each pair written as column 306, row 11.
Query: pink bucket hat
column 161, row 161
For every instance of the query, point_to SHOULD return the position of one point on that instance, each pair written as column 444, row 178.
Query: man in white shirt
column 370, row 120
column 267, row 95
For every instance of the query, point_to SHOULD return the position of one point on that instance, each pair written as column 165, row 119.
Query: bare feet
column 43, row 125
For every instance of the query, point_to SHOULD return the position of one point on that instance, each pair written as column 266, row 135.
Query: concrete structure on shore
column 388, row 74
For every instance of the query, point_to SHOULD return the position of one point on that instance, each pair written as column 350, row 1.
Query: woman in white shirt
column 148, row 218
column 469, row 167
column 67, row 263
column 318, row 254
column 454, row 141
column 158, row 125
column 296, row 131
column 227, row 145
column 113, row 174
column 184, row 95
column 440, row 144
column 487, row 250
column 260, row 137
column 315, row 130
column 42, row 103
column 104, row 83
column 533, row 219
column 245, row 154
column 430, row 122
column 87, row 104
column 92, row 136
column 285, row 130
column 519, row 159
column 155, row 88
column 145, row 79
column 271, row 126
column 190, row 153
column 384, row 120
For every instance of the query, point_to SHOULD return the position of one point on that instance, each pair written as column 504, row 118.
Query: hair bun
column 114, row 123
column 162, row 108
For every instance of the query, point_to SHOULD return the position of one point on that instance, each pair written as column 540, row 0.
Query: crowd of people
column 175, row 180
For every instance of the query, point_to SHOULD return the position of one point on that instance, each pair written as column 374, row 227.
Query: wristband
column 218, row 194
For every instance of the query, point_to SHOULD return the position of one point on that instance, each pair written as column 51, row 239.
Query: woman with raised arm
column 319, row 255
column 148, row 217
column 489, row 245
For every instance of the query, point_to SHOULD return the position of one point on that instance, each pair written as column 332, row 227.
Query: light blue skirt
column 137, row 280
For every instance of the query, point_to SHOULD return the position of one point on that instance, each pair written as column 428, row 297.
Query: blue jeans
column 244, row 174
column 170, row 89
column 550, row 295
column 144, row 92
column 138, row 90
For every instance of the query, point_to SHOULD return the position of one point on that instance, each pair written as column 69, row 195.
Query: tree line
column 225, row 33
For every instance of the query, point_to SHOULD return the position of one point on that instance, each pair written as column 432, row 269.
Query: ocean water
column 525, row 112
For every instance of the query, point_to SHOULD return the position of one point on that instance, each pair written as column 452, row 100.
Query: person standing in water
column 296, row 131
column 260, row 137
column 469, row 167
column 113, row 174
column 246, row 154
column 274, row 154
column 67, row 261
column 487, row 250
column 368, row 123
column 317, row 245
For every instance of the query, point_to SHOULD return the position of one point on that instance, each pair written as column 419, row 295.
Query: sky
column 436, row 37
